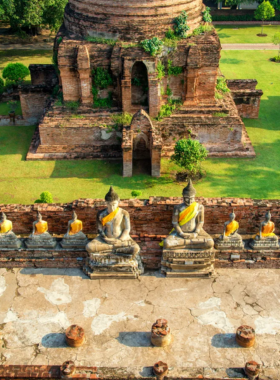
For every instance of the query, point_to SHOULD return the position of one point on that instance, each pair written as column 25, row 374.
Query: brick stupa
column 107, row 34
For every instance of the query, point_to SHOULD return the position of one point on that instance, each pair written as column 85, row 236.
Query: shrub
column 222, row 85
column 152, row 46
column 2, row 86
column 166, row 110
column 123, row 119
column 103, row 103
column 101, row 78
column 180, row 25
column 160, row 71
column 206, row 16
column 170, row 35
column 173, row 70
column 15, row 72
column 265, row 11
column 136, row 193
column 72, row 105
column 45, row 197
column 276, row 58
column 202, row 29
column 189, row 154
column 168, row 91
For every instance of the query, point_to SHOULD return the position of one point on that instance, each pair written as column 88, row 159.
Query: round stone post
column 245, row 336
column 161, row 335
column 252, row 370
column 67, row 369
column 75, row 336
column 160, row 369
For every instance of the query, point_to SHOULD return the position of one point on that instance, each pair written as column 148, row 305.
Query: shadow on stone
column 72, row 272
column 224, row 341
column 236, row 373
column 135, row 339
column 146, row 372
column 54, row 340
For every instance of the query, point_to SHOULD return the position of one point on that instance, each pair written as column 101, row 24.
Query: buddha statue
column 113, row 253
column 230, row 239
column 40, row 238
column 7, row 237
column 74, row 237
column 188, row 240
column 266, row 237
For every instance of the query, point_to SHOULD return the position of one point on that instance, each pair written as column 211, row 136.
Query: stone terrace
column 37, row 305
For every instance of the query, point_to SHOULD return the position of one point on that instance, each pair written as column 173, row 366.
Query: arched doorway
column 142, row 154
column 139, row 87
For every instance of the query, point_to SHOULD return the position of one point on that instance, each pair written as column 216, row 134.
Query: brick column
column 126, row 86
column 156, row 148
column 86, row 96
column 191, row 76
column 154, row 95
column 127, row 146
column 70, row 84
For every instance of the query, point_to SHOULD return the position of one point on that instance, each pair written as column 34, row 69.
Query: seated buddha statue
column 266, row 237
column 230, row 237
column 113, row 250
column 74, row 237
column 188, row 250
column 7, row 238
column 40, row 238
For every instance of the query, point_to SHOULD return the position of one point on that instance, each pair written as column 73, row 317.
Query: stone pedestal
column 108, row 265
column 40, row 241
column 230, row 243
column 9, row 240
column 188, row 263
column 264, row 244
column 78, row 241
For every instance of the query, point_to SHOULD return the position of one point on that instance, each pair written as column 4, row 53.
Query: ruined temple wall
column 33, row 100
column 43, row 75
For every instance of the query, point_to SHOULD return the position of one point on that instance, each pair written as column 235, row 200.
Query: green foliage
column 12, row 105
column 98, row 40
column 202, row 29
column 275, row 4
column 189, row 154
column 276, row 41
column 222, row 85
column 2, row 86
column 123, row 119
column 15, row 72
column 45, row 197
column 170, row 35
column 55, row 90
column 276, row 58
column 101, row 78
column 72, row 105
column 136, row 193
column 180, row 25
column 103, row 103
column 168, row 91
column 220, row 114
column 160, row 71
column 75, row 116
column 218, row 95
column 166, row 110
column 265, row 11
column 206, row 16
column 173, row 70
column 152, row 46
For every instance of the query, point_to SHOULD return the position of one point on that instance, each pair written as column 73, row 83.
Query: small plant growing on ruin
column 15, row 72
column 220, row 114
column 160, row 71
column 122, row 119
column 180, row 25
column 98, row 40
column 45, row 197
column 168, row 91
column 72, row 105
column 265, row 11
column 173, row 70
column 152, row 46
column 101, row 78
column 222, row 85
column 206, row 16
column 189, row 154
column 202, row 29
column 276, row 41
column 136, row 193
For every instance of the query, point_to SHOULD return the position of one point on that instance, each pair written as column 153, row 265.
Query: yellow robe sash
column 76, row 227
column 109, row 217
column 6, row 226
column 231, row 228
column 267, row 230
column 186, row 215
column 41, row 228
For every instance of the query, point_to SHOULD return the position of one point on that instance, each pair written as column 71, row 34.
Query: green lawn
column 241, row 34
column 22, row 182
column 5, row 109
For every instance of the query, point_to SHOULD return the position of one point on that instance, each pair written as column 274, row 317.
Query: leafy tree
column 45, row 197
column 275, row 4
column 276, row 41
column 189, row 154
column 136, row 193
column 180, row 25
column 2, row 85
column 15, row 72
column 206, row 16
column 265, row 11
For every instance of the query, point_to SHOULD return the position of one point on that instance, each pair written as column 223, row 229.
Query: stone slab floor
column 37, row 305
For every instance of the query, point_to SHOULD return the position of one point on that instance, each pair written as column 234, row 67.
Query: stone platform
column 37, row 305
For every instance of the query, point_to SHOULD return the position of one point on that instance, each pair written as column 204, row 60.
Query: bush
column 180, row 25
column 72, row 105
column 170, row 35
column 45, row 197
column 202, row 29
column 206, row 16
column 136, row 193
column 101, row 78
column 189, row 154
column 276, row 58
column 2, row 86
column 160, row 71
column 152, row 46
column 15, row 72
column 173, row 70
column 222, row 85
column 123, row 119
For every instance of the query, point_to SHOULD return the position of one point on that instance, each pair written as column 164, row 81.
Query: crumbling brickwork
column 33, row 101
column 43, row 75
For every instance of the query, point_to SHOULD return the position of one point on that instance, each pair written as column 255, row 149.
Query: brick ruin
column 115, row 29
column 150, row 223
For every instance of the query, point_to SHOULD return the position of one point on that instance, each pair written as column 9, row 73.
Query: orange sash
column 109, row 217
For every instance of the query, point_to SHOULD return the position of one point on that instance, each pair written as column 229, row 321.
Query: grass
column 24, row 56
column 23, row 182
column 5, row 109
column 245, row 34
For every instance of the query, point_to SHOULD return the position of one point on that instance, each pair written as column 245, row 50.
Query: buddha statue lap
column 113, row 253
column 40, row 238
column 230, row 239
column 188, row 250
column 74, row 237
column 8, row 239
column 265, row 238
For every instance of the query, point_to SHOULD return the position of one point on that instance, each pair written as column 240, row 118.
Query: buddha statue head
column 232, row 216
column 189, row 194
column 112, row 199
column 268, row 216
column 3, row 216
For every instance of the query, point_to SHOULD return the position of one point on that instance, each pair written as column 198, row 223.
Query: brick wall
column 43, row 74
column 33, row 101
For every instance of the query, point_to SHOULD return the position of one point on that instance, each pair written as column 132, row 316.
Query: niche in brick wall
column 140, row 86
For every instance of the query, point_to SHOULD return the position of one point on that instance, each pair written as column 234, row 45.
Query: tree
column 276, row 41
column 136, row 193
column 45, row 197
column 265, row 11
column 15, row 72
column 2, row 85
column 189, row 154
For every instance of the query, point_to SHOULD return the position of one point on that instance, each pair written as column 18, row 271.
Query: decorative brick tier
column 129, row 19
